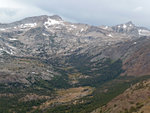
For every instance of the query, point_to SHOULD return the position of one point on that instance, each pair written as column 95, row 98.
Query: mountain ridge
column 49, row 37
column 45, row 59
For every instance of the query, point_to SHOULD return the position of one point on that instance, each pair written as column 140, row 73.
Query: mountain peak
column 56, row 17
column 129, row 22
column 41, row 18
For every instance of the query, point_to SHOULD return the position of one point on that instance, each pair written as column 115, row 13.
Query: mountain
column 130, row 28
column 134, row 99
column 44, row 58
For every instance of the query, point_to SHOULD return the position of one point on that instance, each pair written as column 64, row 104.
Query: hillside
column 51, row 65
column 134, row 99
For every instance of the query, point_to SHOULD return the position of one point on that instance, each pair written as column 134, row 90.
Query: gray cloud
column 95, row 12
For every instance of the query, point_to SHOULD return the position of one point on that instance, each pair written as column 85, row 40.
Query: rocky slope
column 51, row 38
column 45, row 59
column 134, row 99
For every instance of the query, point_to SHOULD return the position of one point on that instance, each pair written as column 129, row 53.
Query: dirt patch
column 68, row 96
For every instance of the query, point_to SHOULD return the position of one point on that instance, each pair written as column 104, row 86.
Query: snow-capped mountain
column 130, row 28
column 50, row 38
column 31, row 33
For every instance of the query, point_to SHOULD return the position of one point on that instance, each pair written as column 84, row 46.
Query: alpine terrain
column 48, row 65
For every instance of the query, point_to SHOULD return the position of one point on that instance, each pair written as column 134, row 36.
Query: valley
column 53, row 66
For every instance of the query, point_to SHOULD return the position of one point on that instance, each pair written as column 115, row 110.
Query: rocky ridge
column 50, row 38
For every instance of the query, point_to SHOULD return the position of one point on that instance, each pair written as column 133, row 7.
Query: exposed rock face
column 51, row 38
column 131, row 29
column 55, row 36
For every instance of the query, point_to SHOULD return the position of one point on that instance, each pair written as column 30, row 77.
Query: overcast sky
column 94, row 12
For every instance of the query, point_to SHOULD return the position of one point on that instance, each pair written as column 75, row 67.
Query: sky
column 93, row 12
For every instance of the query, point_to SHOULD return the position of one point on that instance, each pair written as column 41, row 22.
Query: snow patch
column 82, row 30
column 51, row 22
column 8, row 52
column 2, row 29
column 1, row 49
column 28, row 25
column 44, row 34
column 110, row 35
column 143, row 32
column 73, row 26
column 124, row 26
column 106, row 27
column 13, row 39
column 70, row 29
